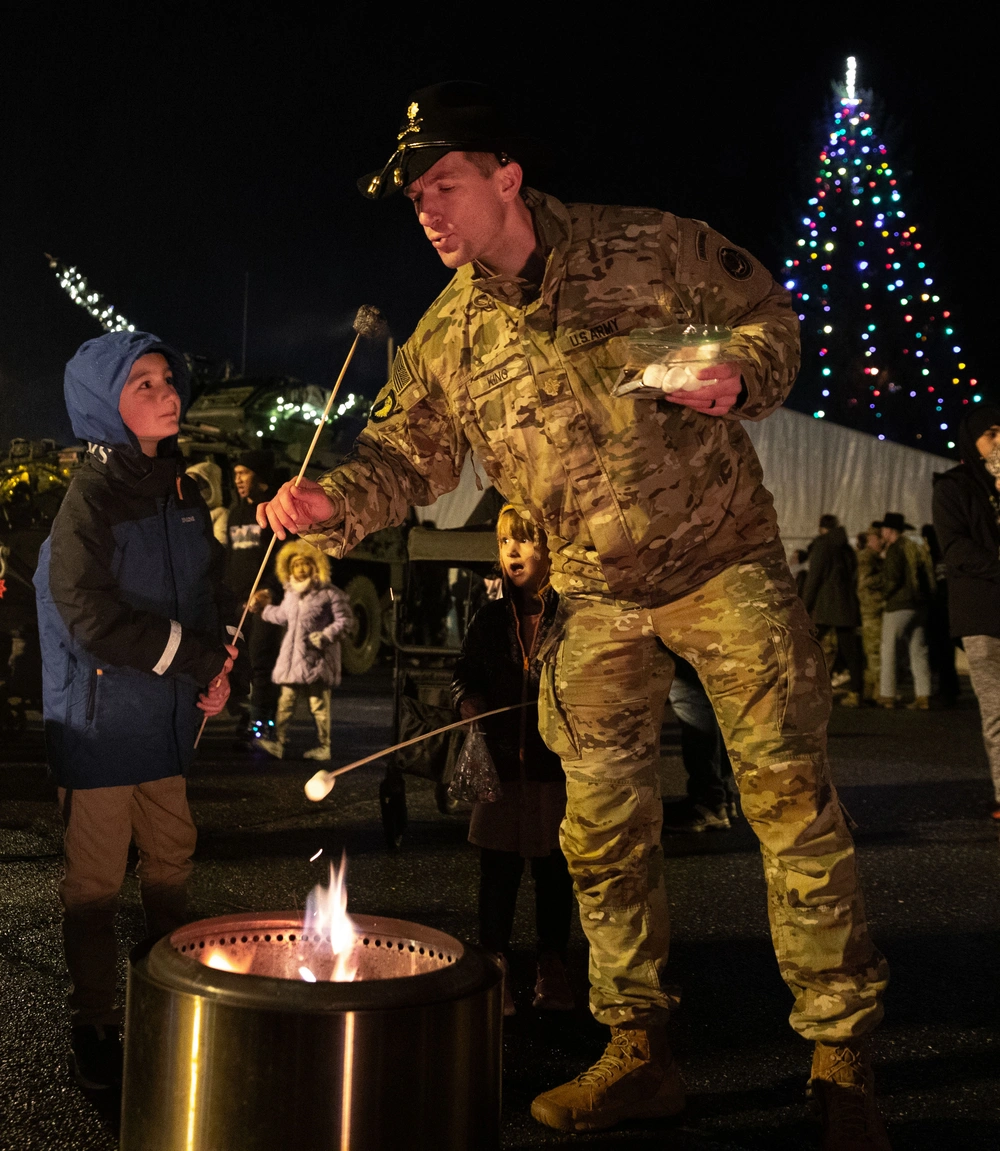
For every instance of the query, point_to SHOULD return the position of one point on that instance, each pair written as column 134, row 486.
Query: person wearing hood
column 129, row 595
column 831, row 598
column 314, row 614
column 208, row 476
column 500, row 665
column 967, row 521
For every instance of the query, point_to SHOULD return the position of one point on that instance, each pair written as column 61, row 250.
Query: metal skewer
column 321, row 784
column 368, row 323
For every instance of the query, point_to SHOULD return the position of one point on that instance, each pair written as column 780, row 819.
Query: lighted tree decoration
column 74, row 284
column 879, row 349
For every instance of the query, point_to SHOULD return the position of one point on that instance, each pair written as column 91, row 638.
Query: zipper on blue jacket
column 92, row 694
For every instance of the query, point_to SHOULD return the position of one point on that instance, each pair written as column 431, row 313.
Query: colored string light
column 870, row 259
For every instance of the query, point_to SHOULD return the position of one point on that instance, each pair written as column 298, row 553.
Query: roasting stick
column 321, row 784
column 368, row 322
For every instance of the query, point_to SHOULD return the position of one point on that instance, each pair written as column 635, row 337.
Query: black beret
column 456, row 116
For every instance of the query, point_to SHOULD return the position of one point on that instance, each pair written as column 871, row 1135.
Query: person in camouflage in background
column 872, row 600
column 659, row 526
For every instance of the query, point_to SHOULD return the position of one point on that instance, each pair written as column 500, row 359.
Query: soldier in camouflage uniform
column 659, row 527
column 872, row 601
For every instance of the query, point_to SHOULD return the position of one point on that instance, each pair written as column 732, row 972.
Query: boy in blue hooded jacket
column 127, row 585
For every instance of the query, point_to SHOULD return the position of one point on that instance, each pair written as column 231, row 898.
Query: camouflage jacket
column 870, row 594
column 641, row 499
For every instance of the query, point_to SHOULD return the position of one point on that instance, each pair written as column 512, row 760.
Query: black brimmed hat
column 897, row 522
column 456, row 116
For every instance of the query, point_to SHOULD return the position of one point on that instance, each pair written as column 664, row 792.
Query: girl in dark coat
column 499, row 666
column 967, row 521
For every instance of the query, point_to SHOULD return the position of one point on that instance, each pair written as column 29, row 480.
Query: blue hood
column 96, row 375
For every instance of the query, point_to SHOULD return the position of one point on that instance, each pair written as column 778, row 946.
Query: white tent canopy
column 810, row 467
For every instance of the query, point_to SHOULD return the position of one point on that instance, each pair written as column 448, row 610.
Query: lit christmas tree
column 75, row 285
column 879, row 349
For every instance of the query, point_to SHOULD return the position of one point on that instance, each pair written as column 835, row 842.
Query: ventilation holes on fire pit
column 243, row 939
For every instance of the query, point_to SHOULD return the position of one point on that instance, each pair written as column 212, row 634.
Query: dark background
column 167, row 153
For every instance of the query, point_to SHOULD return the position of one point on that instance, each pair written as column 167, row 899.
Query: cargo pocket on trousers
column 553, row 722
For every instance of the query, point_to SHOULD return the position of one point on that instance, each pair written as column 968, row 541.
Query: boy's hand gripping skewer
column 370, row 324
column 321, row 784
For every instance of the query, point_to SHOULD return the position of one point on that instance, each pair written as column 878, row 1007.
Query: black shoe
column 96, row 1062
column 683, row 815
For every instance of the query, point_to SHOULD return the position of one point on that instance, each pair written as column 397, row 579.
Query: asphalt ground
column 915, row 783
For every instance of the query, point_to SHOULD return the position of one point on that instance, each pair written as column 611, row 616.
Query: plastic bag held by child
column 475, row 777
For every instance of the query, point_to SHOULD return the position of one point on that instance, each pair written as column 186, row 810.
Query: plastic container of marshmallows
column 664, row 360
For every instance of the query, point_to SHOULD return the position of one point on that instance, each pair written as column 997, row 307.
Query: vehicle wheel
column 445, row 804
column 359, row 650
column 392, row 799
column 387, row 622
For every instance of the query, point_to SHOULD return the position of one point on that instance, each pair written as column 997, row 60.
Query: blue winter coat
column 127, row 585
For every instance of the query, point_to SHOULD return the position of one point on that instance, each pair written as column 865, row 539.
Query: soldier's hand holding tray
column 689, row 366
column 722, row 390
column 295, row 508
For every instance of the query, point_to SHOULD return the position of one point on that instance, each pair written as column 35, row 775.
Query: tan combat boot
column 842, row 1086
column 635, row 1078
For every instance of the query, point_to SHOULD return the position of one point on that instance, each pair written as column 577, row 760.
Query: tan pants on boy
column 99, row 824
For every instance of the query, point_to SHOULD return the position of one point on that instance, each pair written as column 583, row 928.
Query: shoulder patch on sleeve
column 733, row 262
column 384, row 406
column 708, row 262
column 400, row 377
column 400, row 394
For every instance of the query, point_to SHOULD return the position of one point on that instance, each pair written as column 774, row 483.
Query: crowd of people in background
column 897, row 602
column 891, row 610
column 874, row 604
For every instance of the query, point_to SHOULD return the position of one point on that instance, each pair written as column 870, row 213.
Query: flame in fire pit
column 222, row 962
column 326, row 915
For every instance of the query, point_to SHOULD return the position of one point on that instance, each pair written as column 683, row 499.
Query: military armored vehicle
column 280, row 414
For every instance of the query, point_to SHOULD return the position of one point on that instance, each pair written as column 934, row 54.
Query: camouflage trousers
column 603, row 688
column 871, row 638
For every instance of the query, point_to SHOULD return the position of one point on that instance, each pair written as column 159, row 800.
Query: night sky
column 167, row 154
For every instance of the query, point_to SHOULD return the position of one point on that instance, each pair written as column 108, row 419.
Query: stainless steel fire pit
column 407, row 1056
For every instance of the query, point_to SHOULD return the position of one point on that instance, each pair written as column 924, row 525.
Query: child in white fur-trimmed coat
column 315, row 614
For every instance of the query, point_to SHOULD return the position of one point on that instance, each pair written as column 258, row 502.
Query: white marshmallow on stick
column 321, row 784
